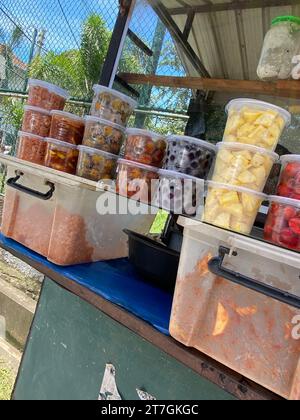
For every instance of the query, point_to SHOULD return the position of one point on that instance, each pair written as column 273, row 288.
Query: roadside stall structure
column 98, row 323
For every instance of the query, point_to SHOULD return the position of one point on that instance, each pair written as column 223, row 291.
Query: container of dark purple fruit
column 179, row 193
column 189, row 156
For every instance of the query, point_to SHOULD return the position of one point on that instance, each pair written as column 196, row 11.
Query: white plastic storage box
column 57, row 216
column 250, row 332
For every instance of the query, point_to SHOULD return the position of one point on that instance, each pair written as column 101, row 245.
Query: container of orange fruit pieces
column 255, row 122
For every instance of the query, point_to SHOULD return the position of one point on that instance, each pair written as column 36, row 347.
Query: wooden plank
column 202, row 364
column 234, row 5
column 282, row 88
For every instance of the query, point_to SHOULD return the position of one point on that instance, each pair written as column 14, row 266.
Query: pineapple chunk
column 233, row 123
column 223, row 220
column 244, row 153
column 260, row 175
column 250, row 203
column 275, row 131
column 241, row 164
column 267, row 118
column 245, row 130
column 247, row 177
column 258, row 160
column 258, row 133
column 270, row 140
column 280, row 121
column 228, row 174
column 235, row 210
column 230, row 138
column 211, row 212
column 225, row 155
column 251, row 115
column 230, row 197
column 240, row 227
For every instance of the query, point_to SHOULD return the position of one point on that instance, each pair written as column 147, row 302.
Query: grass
column 6, row 382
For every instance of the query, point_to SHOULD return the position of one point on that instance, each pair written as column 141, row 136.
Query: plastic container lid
column 254, row 149
column 289, row 158
column 142, row 132
column 49, row 86
column 192, row 140
column 106, row 122
column 284, row 200
column 241, row 102
column 138, row 165
column 37, row 109
column 235, row 188
column 61, row 143
column 92, row 151
column 173, row 174
column 24, row 134
column 68, row 115
column 279, row 19
column 125, row 98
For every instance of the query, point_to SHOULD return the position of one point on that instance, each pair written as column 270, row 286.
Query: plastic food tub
column 95, row 164
column 112, row 105
column 289, row 183
column 67, row 127
column 36, row 121
column 137, row 181
column 64, row 218
column 245, row 330
column 189, row 156
column 232, row 208
column 31, row 148
column 103, row 135
column 243, row 165
column 145, row 147
column 179, row 193
column 255, row 122
column 61, row 156
column 283, row 222
column 45, row 95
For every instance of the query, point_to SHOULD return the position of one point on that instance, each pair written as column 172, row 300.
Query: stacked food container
column 244, row 162
column 46, row 208
column 237, row 298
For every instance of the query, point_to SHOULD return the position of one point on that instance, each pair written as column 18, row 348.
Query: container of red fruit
column 289, row 183
column 145, row 147
column 283, row 222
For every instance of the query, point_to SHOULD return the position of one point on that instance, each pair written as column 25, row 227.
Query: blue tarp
column 115, row 281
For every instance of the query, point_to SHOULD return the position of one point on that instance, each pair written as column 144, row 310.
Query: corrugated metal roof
column 229, row 42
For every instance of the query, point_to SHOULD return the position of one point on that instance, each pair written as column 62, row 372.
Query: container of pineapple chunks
column 243, row 165
column 255, row 122
column 232, row 208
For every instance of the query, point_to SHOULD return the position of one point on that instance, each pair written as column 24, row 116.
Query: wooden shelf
column 280, row 88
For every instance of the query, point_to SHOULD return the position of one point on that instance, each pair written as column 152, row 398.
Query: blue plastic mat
column 115, row 281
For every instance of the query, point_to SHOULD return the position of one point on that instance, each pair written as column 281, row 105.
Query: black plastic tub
column 155, row 263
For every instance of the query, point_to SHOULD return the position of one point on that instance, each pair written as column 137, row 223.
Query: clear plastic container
column 137, row 181
column 255, row 122
column 232, row 208
column 189, row 156
column 67, row 127
column 72, row 226
column 36, row 121
column 289, row 182
column 283, row 222
column 112, row 105
column 180, row 193
column 45, row 95
column 61, row 156
column 95, row 164
column 243, row 165
column 281, row 44
column 103, row 135
column 31, row 148
column 145, row 147
column 250, row 333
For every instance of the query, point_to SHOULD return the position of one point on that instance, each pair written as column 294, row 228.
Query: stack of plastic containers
column 43, row 97
column 104, row 134
column 244, row 162
column 283, row 221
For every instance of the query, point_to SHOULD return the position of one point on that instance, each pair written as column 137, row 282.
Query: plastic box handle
column 13, row 183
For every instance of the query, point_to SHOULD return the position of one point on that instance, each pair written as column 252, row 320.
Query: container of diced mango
column 244, row 161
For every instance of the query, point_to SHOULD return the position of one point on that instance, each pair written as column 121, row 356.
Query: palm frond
column 16, row 38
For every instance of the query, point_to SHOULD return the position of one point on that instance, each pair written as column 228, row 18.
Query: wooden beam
column 177, row 35
column 234, row 5
column 282, row 88
column 139, row 43
column 188, row 25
